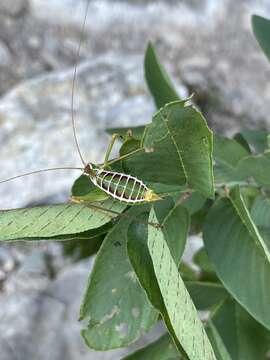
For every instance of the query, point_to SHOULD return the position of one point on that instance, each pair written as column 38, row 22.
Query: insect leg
column 109, row 150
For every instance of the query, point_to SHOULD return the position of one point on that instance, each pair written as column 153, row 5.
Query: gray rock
column 5, row 55
column 46, row 320
column 13, row 8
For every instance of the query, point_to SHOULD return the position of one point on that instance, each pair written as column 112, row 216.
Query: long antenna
column 40, row 171
column 74, row 83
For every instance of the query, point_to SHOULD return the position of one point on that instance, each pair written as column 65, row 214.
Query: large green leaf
column 55, row 220
column 115, row 307
column 181, row 311
column 161, row 349
column 176, row 150
column 175, row 223
column 243, row 337
column 157, row 79
column 239, row 255
column 261, row 29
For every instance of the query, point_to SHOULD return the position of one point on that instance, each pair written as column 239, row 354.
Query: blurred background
column 207, row 47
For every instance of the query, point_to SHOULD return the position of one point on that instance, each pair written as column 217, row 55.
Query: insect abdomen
column 122, row 187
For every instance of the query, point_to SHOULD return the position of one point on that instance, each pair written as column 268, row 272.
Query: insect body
column 120, row 186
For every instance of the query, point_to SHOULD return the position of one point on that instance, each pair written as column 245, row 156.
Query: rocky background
column 208, row 48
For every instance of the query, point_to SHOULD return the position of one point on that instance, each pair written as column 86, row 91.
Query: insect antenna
column 40, row 171
column 74, row 83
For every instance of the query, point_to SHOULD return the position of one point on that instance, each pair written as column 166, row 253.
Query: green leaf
column 194, row 202
column 206, row 295
column 180, row 308
column 242, row 141
column 187, row 273
column 161, row 349
column 115, row 307
column 80, row 249
column 239, row 255
column 227, row 154
column 175, row 222
column 258, row 167
column 217, row 342
column 176, row 150
column 129, row 145
column 55, row 220
column 257, row 139
column 141, row 260
column 261, row 30
column 175, row 229
column 260, row 212
column 157, row 79
column 242, row 336
column 202, row 260
column 82, row 236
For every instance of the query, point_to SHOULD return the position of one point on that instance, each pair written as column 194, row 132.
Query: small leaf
column 84, row 189
column 242, row 141
column 82, row 186
column 157, row 79
column 55, row 220
column 239, row 255
column 181, row 311
column 257, row 139
column 114, row 302
column 261, row 29
column 161, row 349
